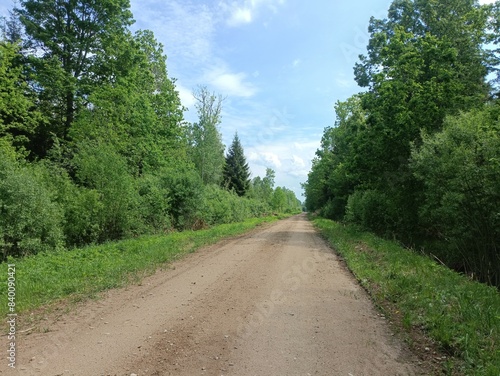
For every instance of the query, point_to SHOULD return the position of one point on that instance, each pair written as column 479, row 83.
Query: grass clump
column 461, row 316
column 83, row 272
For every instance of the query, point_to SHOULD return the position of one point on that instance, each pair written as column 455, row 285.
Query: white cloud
column 297, row 161
column 341, row 80
column 244, row 12
column 261, row 156
column 186, row 96
column 240, row 16
column 285, row 158
column 309, row 145
column 230, row 84
column 296, row 63
column 483, row 2
column 290, row 163
column 185, row 28
column 273, row 159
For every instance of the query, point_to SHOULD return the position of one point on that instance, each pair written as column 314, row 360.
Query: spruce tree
column 236, row 171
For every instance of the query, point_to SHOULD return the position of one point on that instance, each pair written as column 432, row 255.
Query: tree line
column 416, row 155
column 93, row 142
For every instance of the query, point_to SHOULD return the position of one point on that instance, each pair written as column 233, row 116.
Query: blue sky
column 281, row 64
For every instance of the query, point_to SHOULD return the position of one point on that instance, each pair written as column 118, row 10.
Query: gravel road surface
column 276, row 301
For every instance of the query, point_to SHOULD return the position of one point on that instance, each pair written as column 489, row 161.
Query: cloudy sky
column 280, row 64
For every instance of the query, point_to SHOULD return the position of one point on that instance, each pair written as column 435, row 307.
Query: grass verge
column 81, row 273
column 461, row 317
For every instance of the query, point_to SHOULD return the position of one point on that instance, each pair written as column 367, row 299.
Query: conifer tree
column 236, row 171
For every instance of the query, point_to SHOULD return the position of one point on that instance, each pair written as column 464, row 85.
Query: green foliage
column 155, row 203
column 424, row 63
column 140, row 113
column 284, row 201
column 333, row 178
column 221, row 206
column 30, row 220
column 18, row 114
column 236, row 172
column 261, row 189
column 83, row 209
column 460, row 168
column 82, row 206
column 279, row 200
column 207, row 149
column 460, row 315
column 416, row 76
column 217, row 205
column 99, row 167
column 186, row 189
column 70, row 44
column 94, row 106
column 372, row 210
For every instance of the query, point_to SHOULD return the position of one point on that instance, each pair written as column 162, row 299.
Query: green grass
column 461, row 316
column 84, row 272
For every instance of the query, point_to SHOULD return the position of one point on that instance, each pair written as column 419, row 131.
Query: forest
column 93, row 142
column 415, row 155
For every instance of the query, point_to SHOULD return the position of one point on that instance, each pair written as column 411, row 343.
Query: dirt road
column 273, row 302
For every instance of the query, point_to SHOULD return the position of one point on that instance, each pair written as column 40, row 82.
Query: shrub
column 154, row 203
column 216, row 205
column 30, row 220
column 186, row 189
column 100, row 168
column 370, row 209
column 460, row 168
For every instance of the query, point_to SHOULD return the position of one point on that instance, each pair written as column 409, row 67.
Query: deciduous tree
column 19, row 116
column 207, row 149
column 69, row 49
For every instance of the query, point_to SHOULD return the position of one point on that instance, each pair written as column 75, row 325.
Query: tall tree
column 494, row 53
column 12, row 29
column 279, row 200
column 66, row 40
column 424, row 62
column 206, row 141
column 332, row 178
column 236, row 170
column 262, row 188
column 18, row 114
column 140, row 113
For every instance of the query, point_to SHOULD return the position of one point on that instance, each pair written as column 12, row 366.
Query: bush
column 334, row 209
column 370, row 209
column 30, row 220
column 155, row 203
column 221, row 206
column 186, row 189
column 460, row 168
column 101, row 169
column 82, row 206
column 258, row 208
column 216, row 206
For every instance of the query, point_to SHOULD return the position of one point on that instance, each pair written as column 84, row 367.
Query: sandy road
column 273, row 302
